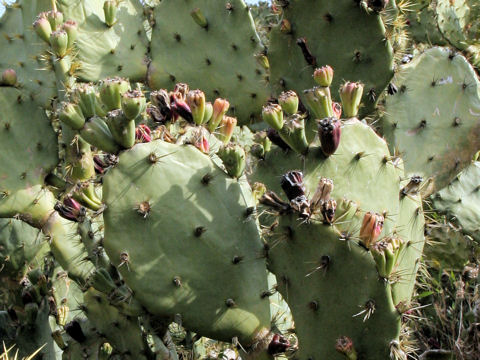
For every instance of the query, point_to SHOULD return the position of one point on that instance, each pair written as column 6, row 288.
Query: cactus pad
column 105, row 51
column 341, row 34
column 221, row 58
column 179, row 230
column 438, row 98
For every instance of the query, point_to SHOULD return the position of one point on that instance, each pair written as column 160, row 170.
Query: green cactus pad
column 458, row 21
column 22, row 51
column 422, row 23
column 122, row 332
column 29, row 150
column 21, row 247
column 178, row 229
column 338, row 33
column 433, row 120
column 327, row 300
column 460, row 200
column 105, row 51
column 222, row 59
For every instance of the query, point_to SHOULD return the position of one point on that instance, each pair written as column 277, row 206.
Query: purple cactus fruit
column 75, row 331
column 143, row 134
column 279, row 344
column 71, row 209
column 179, row 107
column 292, row 184
column 329, row 131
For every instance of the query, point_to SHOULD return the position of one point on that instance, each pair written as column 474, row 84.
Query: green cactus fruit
column 103, row 51
column 351, row 96
column 122, row 128
column 110, row 12
column 72, row 116
column 318, row 239
column 59, row 42
column 318, row 30
column 288, row 100
column 85, row 95
column 220, row 107
column 30, row 151
column 97, row 133
column 187, row 182
column 133, row 103
column 431, row 107
column 55, row 18
column 219, row 43
column 196, row 102
column 234, row 159
column 71, row 28
column 272, row 114
column 460, row 200
column 42, row 27
column 111, row 91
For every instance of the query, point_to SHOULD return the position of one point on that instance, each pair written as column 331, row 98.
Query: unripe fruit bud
column 110, row 12
column 111, row 91
column 220, row 107
column 323, row 76
column 55, row 18
column 71, row 28
column 59, row 42
column 351, row 95
column 196, row 101
column 225, row 131
column 9, row 77
column 208, row 112
column 72, row 116
column 233, row 157
column 272, row 114
column 344, row 345
column 371, row 228
column 42, row 27
column 199, row 18
column 133, row 103
column 288, row 100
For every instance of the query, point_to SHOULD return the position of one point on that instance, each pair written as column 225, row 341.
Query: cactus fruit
column 326, row 27
column 225, row 51
column 429, row 107
column 313, row 240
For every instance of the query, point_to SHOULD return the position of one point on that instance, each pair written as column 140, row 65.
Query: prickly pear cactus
column 103, row 50
column 460, row 200
column 324, row 270
column 343, row 34
column 21, row 247
column 438, row 98
column 30, row 151
column 213, row 45
column 25, row 53
column 181, row 233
